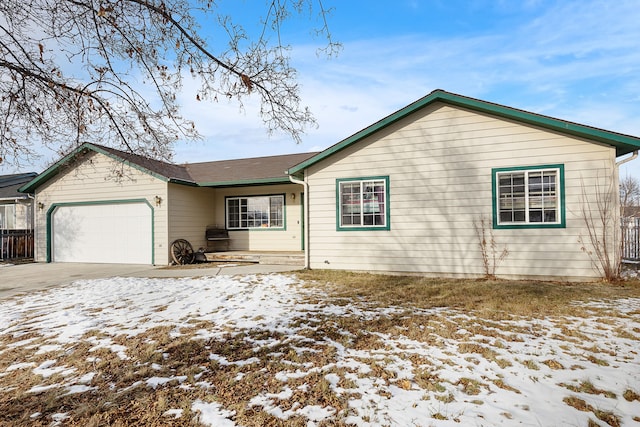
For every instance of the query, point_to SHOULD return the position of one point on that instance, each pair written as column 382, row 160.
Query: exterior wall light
column 158, row 200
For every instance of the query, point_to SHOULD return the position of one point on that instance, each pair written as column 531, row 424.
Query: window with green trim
column 255, row 212
column 530, row 196
column 363, row 203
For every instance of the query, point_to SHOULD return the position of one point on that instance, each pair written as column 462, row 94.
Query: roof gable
column 624, row 144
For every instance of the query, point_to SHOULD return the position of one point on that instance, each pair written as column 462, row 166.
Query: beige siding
column 289, row 239
column 439, row 164
column 96, row 177
column 23, row 215
column 191, row 210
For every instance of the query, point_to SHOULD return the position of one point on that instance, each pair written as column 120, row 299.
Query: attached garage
column 105, row 232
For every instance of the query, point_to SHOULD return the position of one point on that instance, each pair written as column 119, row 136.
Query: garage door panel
column 105, row 233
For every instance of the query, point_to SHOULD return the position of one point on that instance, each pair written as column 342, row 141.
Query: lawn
column 321, row 348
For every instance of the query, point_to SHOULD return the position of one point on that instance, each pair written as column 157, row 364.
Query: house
column 16, row 217
column 412, row 193
column 98, row 204
column 16, row 209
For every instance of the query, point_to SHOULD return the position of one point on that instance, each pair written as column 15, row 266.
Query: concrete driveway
column 21, row 278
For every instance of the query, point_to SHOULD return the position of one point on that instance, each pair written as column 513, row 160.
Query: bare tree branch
column 110, row 71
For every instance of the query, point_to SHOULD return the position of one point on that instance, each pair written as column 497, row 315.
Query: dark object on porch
column 216, row 234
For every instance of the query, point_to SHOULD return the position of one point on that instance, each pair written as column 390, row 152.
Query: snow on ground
column 468, row 371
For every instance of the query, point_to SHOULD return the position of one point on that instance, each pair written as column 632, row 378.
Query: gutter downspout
column 628, row 159
column 305, row 185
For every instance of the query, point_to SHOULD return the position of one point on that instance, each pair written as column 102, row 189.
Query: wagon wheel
column 182, row 252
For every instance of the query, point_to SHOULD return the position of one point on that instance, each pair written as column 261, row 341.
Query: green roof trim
column 624, row 144
column 55, row 168
column 247, row 182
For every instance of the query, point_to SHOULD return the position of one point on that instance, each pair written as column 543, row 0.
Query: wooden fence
column 16, row 244
column 631, row 239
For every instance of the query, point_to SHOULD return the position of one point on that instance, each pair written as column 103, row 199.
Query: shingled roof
column 256, row 170
column 9, row 185
column 168, row 170
column 223, row 173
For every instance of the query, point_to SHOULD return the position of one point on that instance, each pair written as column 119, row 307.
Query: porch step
column 274, row 258
column 282, row 260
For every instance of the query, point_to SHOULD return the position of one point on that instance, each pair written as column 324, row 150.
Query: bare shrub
column 491, row 254
column 601, row 217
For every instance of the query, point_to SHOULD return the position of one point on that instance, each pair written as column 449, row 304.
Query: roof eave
column 246, row 182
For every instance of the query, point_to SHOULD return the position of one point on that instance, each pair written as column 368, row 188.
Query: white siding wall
column 191, row 209
column 439, row 163
column 289, row 239
column 24, row 212
column 97, row 177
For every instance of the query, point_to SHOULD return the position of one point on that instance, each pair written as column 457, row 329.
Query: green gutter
column 246, row 182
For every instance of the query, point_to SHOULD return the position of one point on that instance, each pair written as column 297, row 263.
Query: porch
column 258, row 257
column 16, row 245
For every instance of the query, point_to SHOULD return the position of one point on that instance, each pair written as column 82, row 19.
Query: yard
column 321, row 348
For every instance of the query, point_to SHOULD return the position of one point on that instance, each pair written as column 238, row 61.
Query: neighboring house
column 16, row 217
column 16, row 209
column 406, row 194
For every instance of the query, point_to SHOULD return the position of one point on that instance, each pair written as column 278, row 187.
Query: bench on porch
column 215, row 234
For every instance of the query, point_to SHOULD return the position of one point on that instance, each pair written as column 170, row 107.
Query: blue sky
column 578, row 61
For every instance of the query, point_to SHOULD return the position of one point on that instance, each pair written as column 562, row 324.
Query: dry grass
column 494, row 299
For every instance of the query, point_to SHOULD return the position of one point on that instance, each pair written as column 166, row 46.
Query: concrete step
column 257, row 257
column 282, row 260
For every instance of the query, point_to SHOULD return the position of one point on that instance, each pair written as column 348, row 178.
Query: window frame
column 8, row 222
column 560, row 196
column 387, row 205
column 283, row 227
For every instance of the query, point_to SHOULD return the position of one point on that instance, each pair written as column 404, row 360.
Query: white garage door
column 103, row 233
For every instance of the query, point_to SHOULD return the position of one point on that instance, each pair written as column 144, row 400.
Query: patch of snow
column 42, row 388
column 175, row 413
column 514, row 386
column 46, row 370
column 59, row 418
column 213, row 414
column 80, row 388
column 23, row 365
column 154, row 382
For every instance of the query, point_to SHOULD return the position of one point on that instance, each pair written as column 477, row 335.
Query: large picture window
column 363, row 203
column 529, row 196
column 255, row 212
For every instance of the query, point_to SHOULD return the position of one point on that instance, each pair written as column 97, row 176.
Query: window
column 363, row 203
column 255, row 212
column 529, row 197
column 7, row 217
